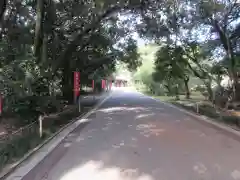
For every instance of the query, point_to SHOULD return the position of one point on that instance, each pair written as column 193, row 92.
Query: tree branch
column 39, row 28
column 92, row 27
column 226, row 16
column 3, row 6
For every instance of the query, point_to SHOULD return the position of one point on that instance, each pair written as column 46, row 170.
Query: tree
column 221, row 17
column 144, row 72
column 3, row 6
column 43, row 42
column 199, row 26
column 171, row 66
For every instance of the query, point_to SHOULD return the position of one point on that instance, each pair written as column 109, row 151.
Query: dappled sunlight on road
column 94, row 170
column 142, row 140
column 120, row 142
column 114, row 109
column 144, row 115
column 149, row 129
column 124, row 89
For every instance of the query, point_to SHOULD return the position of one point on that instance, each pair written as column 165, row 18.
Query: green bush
column 212, row 113
column 27, row 109
column 18, row 145
column 231, row 120
column 24, row 109
column 208, row 111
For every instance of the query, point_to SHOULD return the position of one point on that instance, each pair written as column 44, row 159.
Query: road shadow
column 132, row 140
column 100, row 145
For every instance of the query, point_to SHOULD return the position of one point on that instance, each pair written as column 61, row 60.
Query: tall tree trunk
column 219, row 80
column 177, row 92
column 67, row 83
column 39, row 28
column 168, row 89
column 225, row 40
column 233, row 73
column 3, row 7
column 209, row 90
column 186, row 80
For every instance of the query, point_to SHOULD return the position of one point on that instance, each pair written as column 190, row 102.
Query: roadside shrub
column 232, row 120
column 27, row 109
column 17, row 145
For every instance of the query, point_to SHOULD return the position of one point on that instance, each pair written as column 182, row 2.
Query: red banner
column 93, row 85
column 103, row 84
column 76, row 85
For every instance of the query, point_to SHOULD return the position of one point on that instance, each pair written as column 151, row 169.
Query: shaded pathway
column 133, row 137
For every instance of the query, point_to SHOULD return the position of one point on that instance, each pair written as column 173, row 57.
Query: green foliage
column 203, row 29
column 211, row 112
column 199, row 88
column 171, row 69
column 28, row 108
column 144, row 72
column 43, row 42
column 18, row 145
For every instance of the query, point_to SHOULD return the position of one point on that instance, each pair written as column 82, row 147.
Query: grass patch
column 194, row 98
column 215, row 114
column 165, row 98
column 205, row 108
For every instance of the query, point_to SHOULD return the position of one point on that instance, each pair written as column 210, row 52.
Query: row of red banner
column 105, row 83
column 76, row 84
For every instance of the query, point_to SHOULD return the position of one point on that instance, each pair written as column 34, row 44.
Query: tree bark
column 39, row 28
column 67, row 83
column 209, row 90
column 177, row 92
column 168, row 89
column 225, row 40
column 3, row 7
column 187, row 91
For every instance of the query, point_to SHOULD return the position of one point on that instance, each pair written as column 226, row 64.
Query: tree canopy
column 207, row 32
column 44, row 41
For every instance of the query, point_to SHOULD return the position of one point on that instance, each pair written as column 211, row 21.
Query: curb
column 206, row 120
column 73, row 124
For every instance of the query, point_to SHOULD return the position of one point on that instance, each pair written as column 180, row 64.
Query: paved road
column 133, row 137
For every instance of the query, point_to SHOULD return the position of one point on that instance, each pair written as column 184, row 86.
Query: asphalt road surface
column 133, row 137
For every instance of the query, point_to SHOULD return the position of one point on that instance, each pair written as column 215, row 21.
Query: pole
column 40, row 126
column 93, row 84
column 79, row 105
column 197, row 108
column 1, row 104
column 106, row 85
